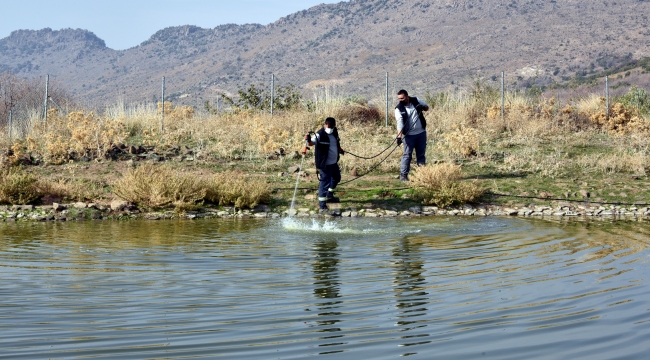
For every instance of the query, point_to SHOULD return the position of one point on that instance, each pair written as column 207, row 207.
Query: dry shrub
column 70, row 189
column 463, row 141
column 18, row 187
column 237, row 188
column 156, row 187
column 441, row 185
column 357, row 113
column 622, row 120
column 172, row 112
column 77, row 135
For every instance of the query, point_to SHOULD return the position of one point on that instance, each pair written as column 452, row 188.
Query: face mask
column 329, row 130
column 403, row 103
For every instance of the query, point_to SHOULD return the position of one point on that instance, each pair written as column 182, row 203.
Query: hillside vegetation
column 424, row 45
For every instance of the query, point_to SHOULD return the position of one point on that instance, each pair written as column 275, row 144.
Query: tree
column 258, row 98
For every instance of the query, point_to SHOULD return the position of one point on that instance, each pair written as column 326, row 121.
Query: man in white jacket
column 411, row 130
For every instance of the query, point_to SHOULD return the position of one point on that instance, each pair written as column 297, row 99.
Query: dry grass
column 238, row 189
column 157, row 187
column 539, row 136
column 441, row 185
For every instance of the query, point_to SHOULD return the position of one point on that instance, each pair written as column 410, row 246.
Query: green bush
column 636, row 98
column 18, row 187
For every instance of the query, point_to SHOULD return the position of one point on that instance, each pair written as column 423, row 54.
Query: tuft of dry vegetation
column 157, row 187
column 238, row 189
column 441, row 185
column 18, row 187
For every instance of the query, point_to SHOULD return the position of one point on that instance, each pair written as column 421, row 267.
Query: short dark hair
column 403, row 92
column 331, row 122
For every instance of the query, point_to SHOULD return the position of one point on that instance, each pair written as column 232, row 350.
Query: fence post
column 272, row 92
column 162, row 111
column 47, row 95
column 386, row 98
column 11, row 122
column 607, row 96
column 503, row 97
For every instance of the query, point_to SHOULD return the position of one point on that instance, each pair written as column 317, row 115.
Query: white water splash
column 291, row 223
column 312, row 225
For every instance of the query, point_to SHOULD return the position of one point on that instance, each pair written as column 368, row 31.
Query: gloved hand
column 419, row 107
column 341, row 151
column 399, row 141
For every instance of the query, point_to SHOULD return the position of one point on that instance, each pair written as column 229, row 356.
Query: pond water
column 447, row 288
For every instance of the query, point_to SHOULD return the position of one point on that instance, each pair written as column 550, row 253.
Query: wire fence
column 31, row 108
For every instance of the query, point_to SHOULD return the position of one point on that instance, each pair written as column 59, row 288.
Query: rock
column 346, row 214
column 261, row 215
column 354, row 214
column 391, row 213
column 79, row 205
column 310, row 197
column 510, row 211
column 57, row 207
column 416, row 209
column 371, row 214
column 119, row 205
column 293, row 169
column 353, row 172
column 292, row 212
column 95, row 215
column 153, row 157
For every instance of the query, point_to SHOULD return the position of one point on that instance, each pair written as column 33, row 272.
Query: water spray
column 304, row 152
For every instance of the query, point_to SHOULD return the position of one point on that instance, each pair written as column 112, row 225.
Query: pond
column 447, row 288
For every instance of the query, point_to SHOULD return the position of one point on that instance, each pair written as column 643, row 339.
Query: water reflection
column 456, row 288
column 410, row 293
column 326, row 290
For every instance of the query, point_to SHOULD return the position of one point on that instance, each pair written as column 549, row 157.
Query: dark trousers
column 411, row 142
column 330, row 176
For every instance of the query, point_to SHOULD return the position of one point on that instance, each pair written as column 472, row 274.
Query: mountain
column 422, row 44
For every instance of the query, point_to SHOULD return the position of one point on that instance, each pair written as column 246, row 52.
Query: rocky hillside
column 423, row 44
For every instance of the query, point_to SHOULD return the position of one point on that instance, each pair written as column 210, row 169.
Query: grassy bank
column 541, row 150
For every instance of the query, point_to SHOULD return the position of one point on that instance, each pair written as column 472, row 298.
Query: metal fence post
column 47, row 95
column 162, row 112
column 503, row 97
column 607, row 96
column 11, row 122
column 272, row 92
column 386, row 98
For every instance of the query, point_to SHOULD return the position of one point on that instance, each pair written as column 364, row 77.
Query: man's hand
column 341, row 151
column 307, row 137
column 419, row 107
column 399, row 141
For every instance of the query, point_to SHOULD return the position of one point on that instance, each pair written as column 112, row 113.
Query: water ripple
column 381, row 289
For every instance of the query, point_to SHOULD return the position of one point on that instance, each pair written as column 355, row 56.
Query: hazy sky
column 127, row 23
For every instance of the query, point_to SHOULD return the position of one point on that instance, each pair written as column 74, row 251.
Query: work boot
column 403, row 178
column 323, row 211
column 333, row 200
